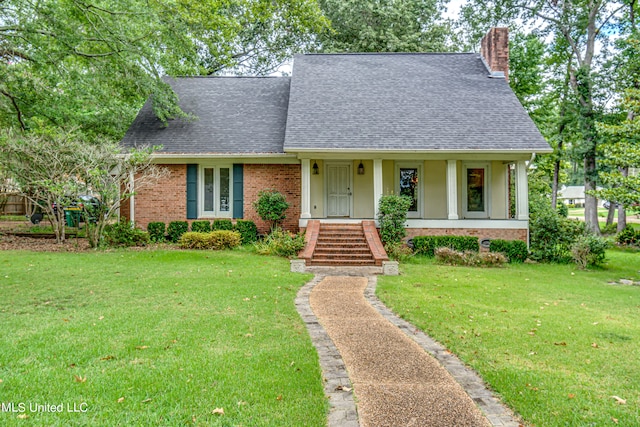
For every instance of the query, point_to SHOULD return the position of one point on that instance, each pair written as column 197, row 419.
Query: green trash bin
column 72, row 216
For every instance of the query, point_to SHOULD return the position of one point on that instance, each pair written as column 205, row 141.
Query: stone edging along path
column 338, row 387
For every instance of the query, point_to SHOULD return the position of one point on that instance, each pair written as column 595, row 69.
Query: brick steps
column 341, row 244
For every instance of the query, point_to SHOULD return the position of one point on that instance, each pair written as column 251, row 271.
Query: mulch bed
column 9, row 242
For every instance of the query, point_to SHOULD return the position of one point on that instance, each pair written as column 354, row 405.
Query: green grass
column 555, row 342
column 156, row 338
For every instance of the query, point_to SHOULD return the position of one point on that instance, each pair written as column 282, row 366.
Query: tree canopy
column 91, row 65
column 385, row 26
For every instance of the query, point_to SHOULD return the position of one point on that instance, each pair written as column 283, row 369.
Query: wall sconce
column 316, row 169
column 360, row 168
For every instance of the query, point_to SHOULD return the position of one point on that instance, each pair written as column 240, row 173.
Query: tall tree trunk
column 622, row 213
column 611, row 213
column 556, row 166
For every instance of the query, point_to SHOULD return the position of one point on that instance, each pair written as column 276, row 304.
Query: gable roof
column 404, row 102
column 400, row 102
column 236, row 115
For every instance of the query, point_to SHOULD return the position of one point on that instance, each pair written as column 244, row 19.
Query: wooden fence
column 12, row 204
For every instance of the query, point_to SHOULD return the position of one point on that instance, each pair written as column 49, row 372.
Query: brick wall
column 166, row 201
column 481, row 233
column 494, row 48
column 285, row 179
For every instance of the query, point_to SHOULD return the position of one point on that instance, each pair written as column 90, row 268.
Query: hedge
column 426, row 245
column 515, row 250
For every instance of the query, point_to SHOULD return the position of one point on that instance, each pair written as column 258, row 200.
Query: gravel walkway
column 395, row 381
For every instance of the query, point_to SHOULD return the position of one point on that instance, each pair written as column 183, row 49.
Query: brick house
column 445, row 129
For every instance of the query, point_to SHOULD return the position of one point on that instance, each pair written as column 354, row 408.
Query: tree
column 579, row 25
column 53, row 170
column 384, row 26
column 114, row 175
column 271, row 206
column 621, row 151
column 91, row 65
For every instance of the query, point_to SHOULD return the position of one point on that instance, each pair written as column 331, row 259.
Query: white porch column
column 522, row 191
column 377, row 184
column 132, row 199
column 305, row 196
column 452, row 189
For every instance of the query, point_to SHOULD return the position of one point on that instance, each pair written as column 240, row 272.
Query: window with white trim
column 215, row 188
column 476, row 190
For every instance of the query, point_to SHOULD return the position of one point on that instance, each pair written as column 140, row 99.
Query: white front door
column 338, row 190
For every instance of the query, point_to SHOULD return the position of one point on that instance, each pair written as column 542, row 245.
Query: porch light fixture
column 316, row 169
column 360, row 168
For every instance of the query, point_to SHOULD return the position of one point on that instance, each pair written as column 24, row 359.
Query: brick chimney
column 494, row 48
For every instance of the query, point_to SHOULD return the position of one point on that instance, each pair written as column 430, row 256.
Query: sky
column 453, row 8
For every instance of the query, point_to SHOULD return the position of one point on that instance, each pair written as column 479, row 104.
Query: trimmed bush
column 125, row 234
column 628, row 236
column 514, row 250
column 216, row 240
column 177, row 229
column 426, row 245
column 222, row 224
column 270, row 206
column 589, row 250
column 248, row 231
column 281, row 243
column 448, row 256
column 156, row 231
column 392, row 216
column 201, row 226
column 224, row 239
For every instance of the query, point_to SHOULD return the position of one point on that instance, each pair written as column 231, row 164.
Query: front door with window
column 339, row 190
column 409, row 185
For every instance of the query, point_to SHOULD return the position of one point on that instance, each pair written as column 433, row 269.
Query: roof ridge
column 384, row 53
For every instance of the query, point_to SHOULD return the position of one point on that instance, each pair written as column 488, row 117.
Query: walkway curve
column 447, row 403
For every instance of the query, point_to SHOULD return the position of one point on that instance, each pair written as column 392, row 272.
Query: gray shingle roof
column 236, row 115
column 424, row 102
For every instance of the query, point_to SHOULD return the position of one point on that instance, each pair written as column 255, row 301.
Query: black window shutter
column 192, row 191
column 238, row 191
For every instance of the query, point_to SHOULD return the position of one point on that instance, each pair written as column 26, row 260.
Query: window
column 409, row 184
column 476, row 192
column 215, row 188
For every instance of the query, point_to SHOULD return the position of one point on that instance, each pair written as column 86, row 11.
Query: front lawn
column 555, row 342
column 154, row 338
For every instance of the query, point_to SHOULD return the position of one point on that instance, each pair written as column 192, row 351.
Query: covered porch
column 452, row 194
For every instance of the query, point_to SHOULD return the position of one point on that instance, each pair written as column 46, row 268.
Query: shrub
column 551, row 236
column 398, row 251
column 515, row 250
column 588, row 250
column 222, row 224
column 216, row 240
column 281, row 243
column 177, row 229
column 445, row 255
column 193, row 240
column 201, row 226
column 610, row 228
column 224, row 239
column 426, row 245
column 562, row 209
column 156, row 231
column 248, row 231
column 270, row 206
column 628, row 236
column 392, row 216
column 124, row 233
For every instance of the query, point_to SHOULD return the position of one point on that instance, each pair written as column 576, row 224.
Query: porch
column 484, row 195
